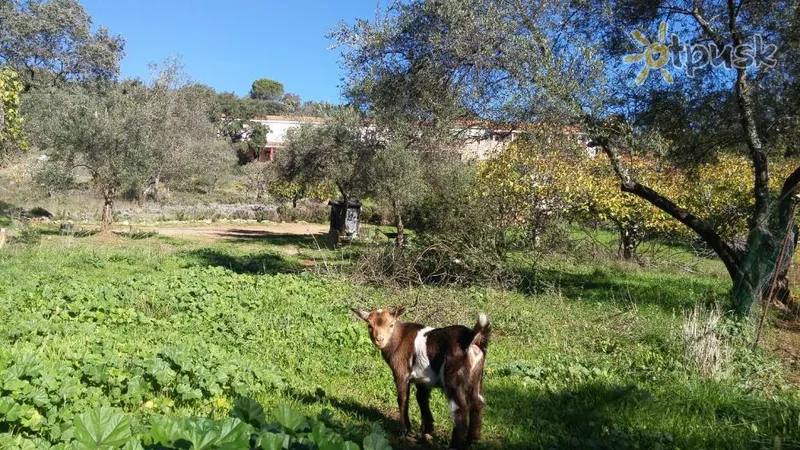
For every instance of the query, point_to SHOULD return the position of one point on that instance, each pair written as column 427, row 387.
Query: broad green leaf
column 163, row 432
column 288, row 418
column 102, row 428
column 202, row 433
column 272, row 441
column 234, row 434
column 249, row 411
column 376, row 441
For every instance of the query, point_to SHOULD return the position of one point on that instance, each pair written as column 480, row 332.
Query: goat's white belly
column 421, row 370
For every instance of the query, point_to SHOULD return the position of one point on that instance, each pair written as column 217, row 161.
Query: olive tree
column 106, row 132
column 131, row 136
column 340, row 150
column 563, row 62
column 52, row 41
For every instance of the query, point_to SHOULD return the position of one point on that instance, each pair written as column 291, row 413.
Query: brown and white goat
column 450, row 358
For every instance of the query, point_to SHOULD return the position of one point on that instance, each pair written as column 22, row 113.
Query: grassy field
column 589, row 356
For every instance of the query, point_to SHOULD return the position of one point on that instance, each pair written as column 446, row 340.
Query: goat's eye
column 391, row 326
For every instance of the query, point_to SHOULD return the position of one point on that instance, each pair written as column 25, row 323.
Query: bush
column 376, row 214
column 306, row 211
column 458, row 260
column 27, row 235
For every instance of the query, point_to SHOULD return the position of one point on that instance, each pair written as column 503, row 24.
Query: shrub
column 27, row 235
column 306, row 211
column 456, row 260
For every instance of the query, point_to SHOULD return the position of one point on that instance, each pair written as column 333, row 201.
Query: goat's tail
column 482, row 332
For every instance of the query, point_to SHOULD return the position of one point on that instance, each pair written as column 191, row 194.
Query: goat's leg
column 402, row 404
column 459, row 411
column 424, row 399
column 476, row 413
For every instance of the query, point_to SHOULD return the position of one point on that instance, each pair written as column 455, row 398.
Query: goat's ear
column 363, row 315
column 399, row 312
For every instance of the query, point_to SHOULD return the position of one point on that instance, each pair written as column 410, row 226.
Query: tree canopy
column 266, row 89
column 52, row 41
column 566, row 62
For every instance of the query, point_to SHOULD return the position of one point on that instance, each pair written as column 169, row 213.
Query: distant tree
column 187, row 152
column 230, row 105
column 291, row 103
column 131, row 136
column 318, row 109
column 50, row 41
column 266, row 89
column 398, row 171
column 106, row 132
column 246, row 137
column 338, row 151
column 258, row 177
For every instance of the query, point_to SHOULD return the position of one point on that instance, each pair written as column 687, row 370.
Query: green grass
column 589, row 356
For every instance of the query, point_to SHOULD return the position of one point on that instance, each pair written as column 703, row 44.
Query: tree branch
column 727, row 254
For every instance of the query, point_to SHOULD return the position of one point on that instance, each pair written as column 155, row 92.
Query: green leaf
column 288, row 418
column 376, row 441
column 202, row 433
column 272, row 441
column 102, row 428
column 163, row 432
column 233, row 434
column 249, row 411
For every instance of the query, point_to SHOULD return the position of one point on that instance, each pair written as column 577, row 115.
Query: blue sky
column 227, row 45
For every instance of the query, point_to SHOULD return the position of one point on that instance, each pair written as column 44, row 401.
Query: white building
column 478, row 141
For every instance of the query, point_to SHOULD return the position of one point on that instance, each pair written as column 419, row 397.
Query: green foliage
column 55, row 40
column 10, row 121
column 338, row 152
column 106, row 428
column 102, row 428
column 129, row 136
column 169, row 336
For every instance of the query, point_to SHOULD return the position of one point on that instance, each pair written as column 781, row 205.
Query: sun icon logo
column 655, row 55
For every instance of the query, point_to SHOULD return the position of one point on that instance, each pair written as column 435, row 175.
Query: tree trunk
column 156, row 186
column 151, row 189
column 108, row 208
column 399, row 240
column 759, row 274
column 628, row 241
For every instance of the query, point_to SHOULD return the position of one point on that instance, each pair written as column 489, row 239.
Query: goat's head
column 381, row 324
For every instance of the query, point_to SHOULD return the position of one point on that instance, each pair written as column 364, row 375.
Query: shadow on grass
column 240, row 235
column 601, row 416
column 667, row 291
column 76, row 232
column 597, row 415
column 255, row 263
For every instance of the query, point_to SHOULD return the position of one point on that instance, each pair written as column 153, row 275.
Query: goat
column 450, row 358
